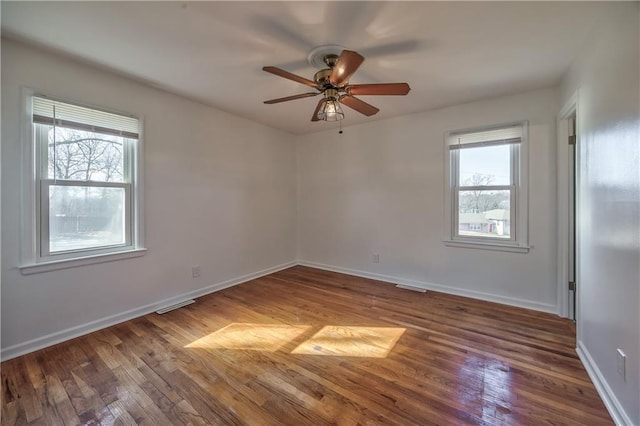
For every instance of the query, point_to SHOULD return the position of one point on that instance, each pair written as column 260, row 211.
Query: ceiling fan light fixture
column 331, row 111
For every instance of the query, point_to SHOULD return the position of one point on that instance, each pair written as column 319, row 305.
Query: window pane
column 487, row 165
column 85, row 156
column 83, row 217
column 484, row 214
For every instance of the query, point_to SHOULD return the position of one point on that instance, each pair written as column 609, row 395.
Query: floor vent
column 176, row 306
column 408, row 287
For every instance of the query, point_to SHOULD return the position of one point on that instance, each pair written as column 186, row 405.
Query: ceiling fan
column 333, row 84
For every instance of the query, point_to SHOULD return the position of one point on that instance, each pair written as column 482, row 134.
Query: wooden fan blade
column 314, row 117
column 379, row 89
column 360, row 106
column 348, row 62
column 290, row 98
column 286, row 74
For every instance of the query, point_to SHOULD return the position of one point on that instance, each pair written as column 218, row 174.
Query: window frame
column 518, row 153
column 35, row 255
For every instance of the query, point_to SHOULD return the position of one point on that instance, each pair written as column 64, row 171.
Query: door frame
column 569, row 110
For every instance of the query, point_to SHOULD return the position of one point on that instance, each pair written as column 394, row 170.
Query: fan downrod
column 330, row 60
column 322, row 76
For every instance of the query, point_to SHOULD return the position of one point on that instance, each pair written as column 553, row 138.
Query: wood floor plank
column 310, row 347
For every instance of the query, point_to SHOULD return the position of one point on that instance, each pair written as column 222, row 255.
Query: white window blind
column 46, row 110
column 503, row 136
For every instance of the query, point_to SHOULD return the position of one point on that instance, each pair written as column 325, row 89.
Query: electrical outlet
column 622, row 359
column 195, row 271
column 375, row 258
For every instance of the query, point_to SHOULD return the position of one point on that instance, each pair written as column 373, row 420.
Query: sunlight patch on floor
column 255, row 337
column 366, row 342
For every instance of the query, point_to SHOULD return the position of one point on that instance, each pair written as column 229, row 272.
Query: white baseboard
column 73, row 332
column 521, row 303
column 614, row 407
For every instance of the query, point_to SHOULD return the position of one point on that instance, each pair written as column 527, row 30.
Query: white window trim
column 30, row 261
column 55, row 265
column 520, row 240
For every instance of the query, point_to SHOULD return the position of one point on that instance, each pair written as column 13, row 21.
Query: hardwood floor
column 310, row 347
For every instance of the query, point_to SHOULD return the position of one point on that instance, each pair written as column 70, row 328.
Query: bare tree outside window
column 85, row 156
column 481, row 200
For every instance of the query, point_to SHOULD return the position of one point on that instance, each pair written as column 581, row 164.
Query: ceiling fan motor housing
column 322, row 77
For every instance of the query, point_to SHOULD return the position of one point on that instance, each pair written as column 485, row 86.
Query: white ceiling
column 448, row 52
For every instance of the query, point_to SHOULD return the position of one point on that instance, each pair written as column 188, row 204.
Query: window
column 486, row 190
column 86, row 181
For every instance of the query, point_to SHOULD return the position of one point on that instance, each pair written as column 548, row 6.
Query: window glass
column 487, row 165
column 85, row 156
column 83, row 217
column 484, row 213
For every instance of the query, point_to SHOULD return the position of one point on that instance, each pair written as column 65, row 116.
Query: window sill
column 37, row 268
column 487, row 246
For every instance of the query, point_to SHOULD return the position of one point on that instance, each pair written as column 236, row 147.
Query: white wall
column 379, row 188
column 220, row 192
column 606, row 74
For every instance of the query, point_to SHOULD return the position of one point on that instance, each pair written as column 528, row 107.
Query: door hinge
column 572, row 140
column 572, row 286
